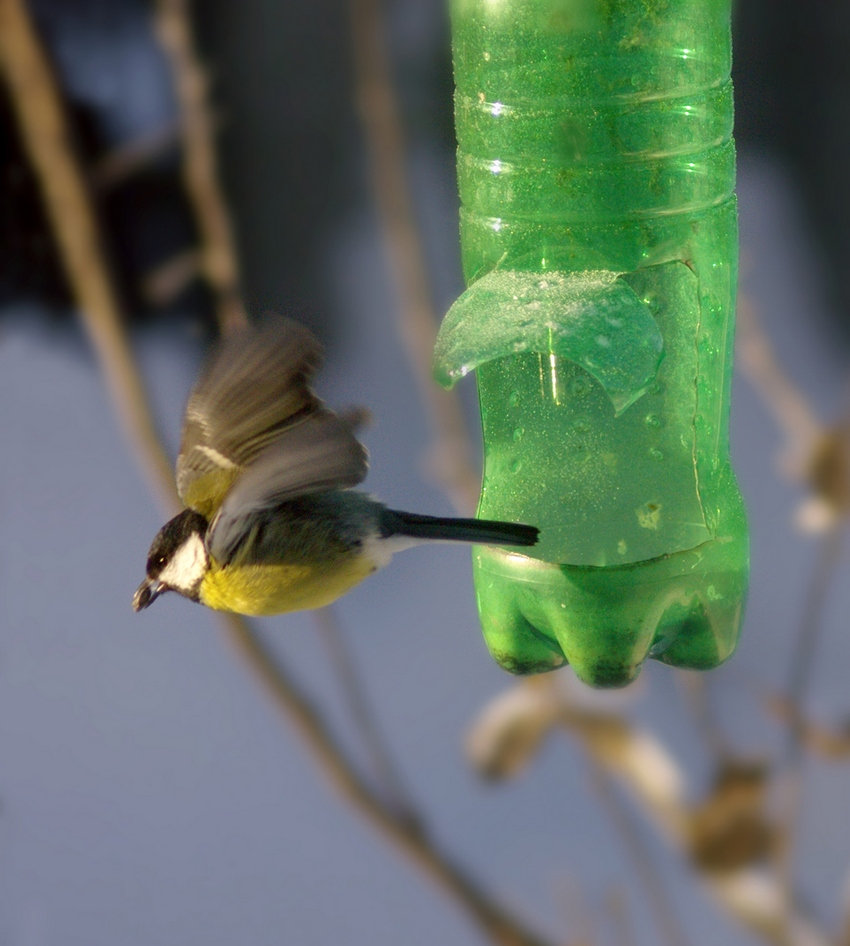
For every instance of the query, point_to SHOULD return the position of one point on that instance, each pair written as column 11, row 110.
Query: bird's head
column 177, row 560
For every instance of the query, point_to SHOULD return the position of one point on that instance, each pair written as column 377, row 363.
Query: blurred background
column 150, row 791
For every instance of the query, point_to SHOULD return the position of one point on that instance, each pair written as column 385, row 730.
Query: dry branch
column 494, row 921
column 647, row 875
column 200, row 174
column 126, row 160
column 510, row 729
column 47, row 141
column 384, row 767
column 379, row 116
column 802, row 665
column 790, row 409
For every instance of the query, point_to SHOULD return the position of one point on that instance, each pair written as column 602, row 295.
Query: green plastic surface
column 599, row 235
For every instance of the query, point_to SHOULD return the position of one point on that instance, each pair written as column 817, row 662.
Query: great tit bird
column 265, row 470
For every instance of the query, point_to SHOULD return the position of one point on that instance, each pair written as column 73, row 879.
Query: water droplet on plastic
column 513, row 398
column 518, row 432
column 656, row 454
column 579, row 386
column 652, row 420
column 516, row 466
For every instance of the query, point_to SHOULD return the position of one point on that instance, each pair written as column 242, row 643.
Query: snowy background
column 149, row 794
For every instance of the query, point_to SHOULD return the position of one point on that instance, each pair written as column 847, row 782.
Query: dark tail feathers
column 482, row 531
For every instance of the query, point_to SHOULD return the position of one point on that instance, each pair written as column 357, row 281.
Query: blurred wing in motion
column 254, row 388
column 319, row 453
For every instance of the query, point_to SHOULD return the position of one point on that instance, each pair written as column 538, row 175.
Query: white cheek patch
column 187, row 565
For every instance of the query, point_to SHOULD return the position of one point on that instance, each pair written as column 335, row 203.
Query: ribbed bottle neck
column 594, row 116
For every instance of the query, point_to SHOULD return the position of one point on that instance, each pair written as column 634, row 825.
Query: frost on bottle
column 598, row 223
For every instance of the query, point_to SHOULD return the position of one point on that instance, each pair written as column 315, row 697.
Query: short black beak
column 148, row 591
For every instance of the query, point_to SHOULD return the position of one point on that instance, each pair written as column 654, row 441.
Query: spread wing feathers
column 319, row 453
column 254, row 387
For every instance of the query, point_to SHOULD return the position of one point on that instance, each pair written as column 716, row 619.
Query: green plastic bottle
column 596, row 169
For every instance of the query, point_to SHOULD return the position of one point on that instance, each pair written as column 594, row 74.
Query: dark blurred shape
column 150, row 225
column 729, row 829
column 292, row 161
column 117, row 87
column 29, row 265
column 792, row 93
column 289, row 149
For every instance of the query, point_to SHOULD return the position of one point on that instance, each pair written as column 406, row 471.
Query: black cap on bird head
column 177, row 560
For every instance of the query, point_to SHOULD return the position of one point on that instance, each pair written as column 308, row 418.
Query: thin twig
column 353, row 692
column 842, row 937
column 617, row 908
column 695, row 688
column 379, row 115
column 48, row 144
column 791, row 411
column 823, row 741
column 165, row 282
column 816, row 455
column 200, row 174
column 637, row 760
column 128, row 159
column 38, row 106
column 495, row 922
column 576, row 912
column 802, row 661
column 644, row 869
column 174, row 27
column 809, row 634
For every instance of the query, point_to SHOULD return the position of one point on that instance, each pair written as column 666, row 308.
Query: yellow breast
column 274, row 589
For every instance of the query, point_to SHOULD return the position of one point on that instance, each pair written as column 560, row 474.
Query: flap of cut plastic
column 592, row 318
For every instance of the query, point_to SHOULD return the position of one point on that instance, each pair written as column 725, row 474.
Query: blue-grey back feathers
column 317, row 455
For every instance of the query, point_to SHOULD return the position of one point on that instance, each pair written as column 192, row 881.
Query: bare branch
column 642, row 864
column 802, row 661
column 576, row 912
column 37, row 105
column 499, row 926
column 354, row 693
column 617, row 907
column 638, row 761
column 164, row 283
column 118, row 165
column 219, row 262
column 200, row 173
column 791, row 411
column 379, row 115
column 843, row 937
column 827, row 742
column 696, row 690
